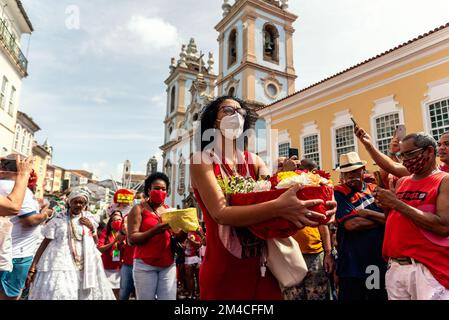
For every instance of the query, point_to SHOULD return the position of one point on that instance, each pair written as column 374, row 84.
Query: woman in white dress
column 67, row 265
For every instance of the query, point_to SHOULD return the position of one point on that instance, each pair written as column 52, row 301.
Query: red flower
column 274, row 181
column 323, row 174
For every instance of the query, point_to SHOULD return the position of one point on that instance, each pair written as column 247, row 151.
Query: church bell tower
column 256, row 50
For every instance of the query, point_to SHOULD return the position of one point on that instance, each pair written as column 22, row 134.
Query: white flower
column 291, row 181
column 262, row 185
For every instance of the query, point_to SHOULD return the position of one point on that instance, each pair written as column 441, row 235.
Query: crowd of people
column 387, row 236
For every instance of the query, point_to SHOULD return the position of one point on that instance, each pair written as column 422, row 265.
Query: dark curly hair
column 209, row 116
column 153, row 177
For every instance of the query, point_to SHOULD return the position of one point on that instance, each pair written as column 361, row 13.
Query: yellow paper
column 183, row 219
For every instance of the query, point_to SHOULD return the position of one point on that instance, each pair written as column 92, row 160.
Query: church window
column 172, row 99
column 231, row 92
column 270, row 43
column 232, row 48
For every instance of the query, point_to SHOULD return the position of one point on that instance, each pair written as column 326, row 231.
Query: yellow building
column 42, row 157
column 408, row 84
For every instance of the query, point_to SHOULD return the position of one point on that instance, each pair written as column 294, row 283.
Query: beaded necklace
column 74, row 236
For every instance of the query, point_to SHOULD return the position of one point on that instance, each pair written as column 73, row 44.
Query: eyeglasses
column 409, row 154
column 229, row 111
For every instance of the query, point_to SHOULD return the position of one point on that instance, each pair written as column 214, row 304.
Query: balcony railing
column 10, row 43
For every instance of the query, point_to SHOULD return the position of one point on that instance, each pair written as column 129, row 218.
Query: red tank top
column 224, row 276
column 403, row 238
column 156, row 251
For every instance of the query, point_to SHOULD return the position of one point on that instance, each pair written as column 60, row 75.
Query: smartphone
column 293, row 152
column 400, row 132
column 8, row 165
column 53, row 203
column 355, row 123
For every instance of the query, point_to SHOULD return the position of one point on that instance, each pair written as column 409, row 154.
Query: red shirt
column 156, row 251
column 225, row 277
column 403, row 238
column 107, row 255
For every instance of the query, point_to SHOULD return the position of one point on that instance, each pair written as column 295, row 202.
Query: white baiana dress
column 57, row 275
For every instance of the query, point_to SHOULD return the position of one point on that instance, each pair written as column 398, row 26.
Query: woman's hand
column 291, row 208
column 161, row 228
column 85, row 221
column 119, row 238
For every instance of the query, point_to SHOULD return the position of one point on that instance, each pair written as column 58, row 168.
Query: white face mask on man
column 231, row 127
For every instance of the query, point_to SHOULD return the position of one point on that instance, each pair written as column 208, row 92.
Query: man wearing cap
column 360, row 266
column 25, row 233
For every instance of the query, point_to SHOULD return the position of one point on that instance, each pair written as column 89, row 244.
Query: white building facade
column 14, row 22
column 24, row 134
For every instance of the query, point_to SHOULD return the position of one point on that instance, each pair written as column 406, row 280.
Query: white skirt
column 113, row 277
column 66, row 285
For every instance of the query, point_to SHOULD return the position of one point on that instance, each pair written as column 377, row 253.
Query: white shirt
column 23, row 237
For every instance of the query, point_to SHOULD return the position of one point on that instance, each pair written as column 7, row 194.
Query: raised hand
column 361, row 134
column 25, row 166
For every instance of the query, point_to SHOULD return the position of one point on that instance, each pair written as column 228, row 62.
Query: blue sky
column 97, row 91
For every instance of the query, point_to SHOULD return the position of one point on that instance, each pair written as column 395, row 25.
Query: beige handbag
column 5, row 244
column 285, row 261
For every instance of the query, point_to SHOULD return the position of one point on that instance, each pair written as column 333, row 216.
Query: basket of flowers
column 241, row 191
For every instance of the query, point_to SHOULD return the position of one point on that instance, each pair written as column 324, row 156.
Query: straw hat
column 350, row 162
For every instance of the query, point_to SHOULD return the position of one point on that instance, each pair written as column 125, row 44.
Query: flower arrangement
column 281, row 180
column 246, row 191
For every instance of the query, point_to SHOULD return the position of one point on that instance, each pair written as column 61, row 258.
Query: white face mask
column 232, row 126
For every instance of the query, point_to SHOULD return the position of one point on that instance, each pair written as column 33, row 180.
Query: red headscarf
column 32, row 181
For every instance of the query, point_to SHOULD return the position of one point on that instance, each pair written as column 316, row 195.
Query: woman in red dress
column 232, row 268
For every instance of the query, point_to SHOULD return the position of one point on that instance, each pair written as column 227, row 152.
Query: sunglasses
column 229, row 111
column 409, row 154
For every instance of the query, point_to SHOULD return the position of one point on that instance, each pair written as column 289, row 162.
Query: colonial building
column 405, row 85
column 54, row 179
column 42, row 157
column 24, row 134
column 14, row 22
column 255, row 64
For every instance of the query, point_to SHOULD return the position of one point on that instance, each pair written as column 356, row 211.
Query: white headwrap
column 79, row 192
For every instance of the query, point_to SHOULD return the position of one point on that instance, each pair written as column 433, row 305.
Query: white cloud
column 154, row 31
column 115, row 137
column 139, row 36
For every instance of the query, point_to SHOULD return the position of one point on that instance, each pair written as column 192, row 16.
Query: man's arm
column 381, row 160
column 437, row 223
column 37, row 218
column 11, row 204
column 327, row 246
column 372, row 215
column 359, row 224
